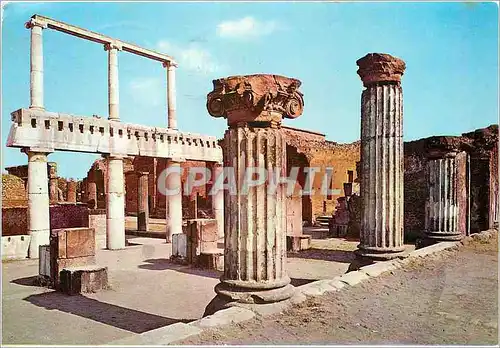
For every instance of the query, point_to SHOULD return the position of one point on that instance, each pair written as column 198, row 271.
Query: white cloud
column 190, row 57
column 247, row 27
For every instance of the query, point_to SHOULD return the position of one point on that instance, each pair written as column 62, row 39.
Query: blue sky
column 451, row 51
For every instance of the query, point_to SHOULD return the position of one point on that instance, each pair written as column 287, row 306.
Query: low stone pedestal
column 179, row 247
column 86, row 279
column 213, row 260
column 69, row 248
column 298, row 243
column 202, row 236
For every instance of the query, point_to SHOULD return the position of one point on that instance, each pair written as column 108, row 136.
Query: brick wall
column 15, row 219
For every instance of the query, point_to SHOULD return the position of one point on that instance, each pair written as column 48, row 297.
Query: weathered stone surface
column 71, row 193
column 223, row 317
column 142, row 201
column 255, row 98
column 161, row 336
column 445, row 195
column 86, row 279
column 255, row 233
column 381, row 157
column 353, row 278
column 380, row 67
column 317, row 288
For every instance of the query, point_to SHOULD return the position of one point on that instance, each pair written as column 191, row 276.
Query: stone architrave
column 255, row 217
column 381, row 235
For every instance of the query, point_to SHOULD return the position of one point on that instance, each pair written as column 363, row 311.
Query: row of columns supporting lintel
column 37, row 72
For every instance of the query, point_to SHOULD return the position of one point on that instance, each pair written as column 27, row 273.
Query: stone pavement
column 450, row 297
column 148, row 292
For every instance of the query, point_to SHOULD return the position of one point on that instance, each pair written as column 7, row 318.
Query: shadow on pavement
column 119, row 317
column 165, row 264
column 323, row 254
column 299, row 282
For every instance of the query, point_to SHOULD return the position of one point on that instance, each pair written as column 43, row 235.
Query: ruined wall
column 15, row 219
column 310, row 149
column 416, row 188
column 13, row 191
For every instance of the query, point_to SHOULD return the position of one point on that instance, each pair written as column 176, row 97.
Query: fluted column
column 36, row 63
column 174, row 198
column 38, row 202
column 115, row 204
column 255, row 213
column 381, row 234
column 441, row 221
column 142, row 201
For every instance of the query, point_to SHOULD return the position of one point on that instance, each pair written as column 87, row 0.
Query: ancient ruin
column 255, row 217
column 381, row 156
column 244, row 221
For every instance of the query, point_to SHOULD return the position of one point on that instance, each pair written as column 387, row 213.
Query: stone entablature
column 51, row 131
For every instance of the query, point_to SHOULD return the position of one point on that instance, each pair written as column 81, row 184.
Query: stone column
column 381, row 235
column 38, row 202
column 113, row 85
column 255, row 215
column 142, row 201
column 171, row 95
column 36, row 64
column 115, row 204
column 218, row 200
column 71, row 187
column 174, row 200
column 92, row 194
column 53, row 182
column 441, row 221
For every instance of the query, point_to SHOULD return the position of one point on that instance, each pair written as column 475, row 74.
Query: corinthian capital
column 255, row 98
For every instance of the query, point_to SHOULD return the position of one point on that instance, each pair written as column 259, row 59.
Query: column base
column 228, row 296
column 255, row 292
column 380, row 254
column 443, row 236
column 37, row 238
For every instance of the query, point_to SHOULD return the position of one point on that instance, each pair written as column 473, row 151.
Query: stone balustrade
column 51, row 131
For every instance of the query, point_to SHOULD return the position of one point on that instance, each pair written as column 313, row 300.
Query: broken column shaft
column 142, row 201
column 381, row 234
column 442, row 211
column 255, row 215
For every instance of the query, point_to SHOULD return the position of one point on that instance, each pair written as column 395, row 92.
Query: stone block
column 298, row 243
column 44, row 260
column 70, row 243
column 70, row 247
column 179, row 245
column 202, row 236
column 15, row 247
column 161, row 336
column 223, row 317
column 211, row 260
column 353, row 278
column 83, row 279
